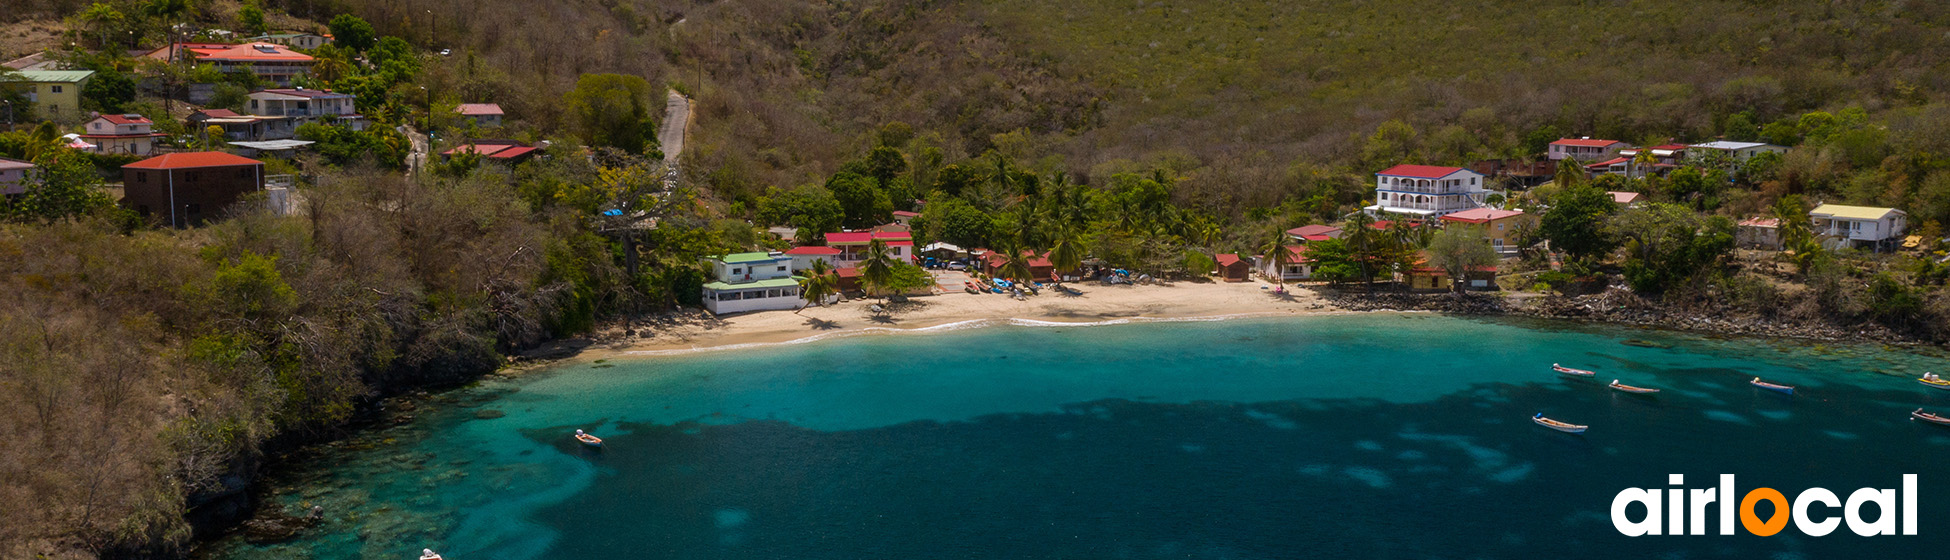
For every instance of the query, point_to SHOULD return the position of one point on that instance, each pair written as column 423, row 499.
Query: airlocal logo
column 1684, row 511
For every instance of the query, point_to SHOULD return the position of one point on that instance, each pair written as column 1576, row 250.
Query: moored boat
column 1930, row 417
column 1565, row 427
column 970, row 287
column 1775, row 387
column 1931, row 380
column 1623, row 388
column 428, row 554
column 588, row 440
column 1572, row 371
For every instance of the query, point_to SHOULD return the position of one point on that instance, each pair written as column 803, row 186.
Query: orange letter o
column 1773, row 524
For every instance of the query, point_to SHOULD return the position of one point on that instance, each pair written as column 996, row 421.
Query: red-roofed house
column 853, row 245
column 905, row 218
column 1299, row 266
column 121, row 134
column 1669, row 154
column 1427, row 190
column 484, row 115
column 1504, row 228
column 1232, row 268
column 508, row 151
column 1584, row 149
column 1040, row 268
column 803, row 257
column 1425, row 276
column 1625, row 166
column 1314, row 232
column 184, row 189
column 270, row 61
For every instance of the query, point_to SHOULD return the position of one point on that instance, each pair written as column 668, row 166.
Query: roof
column 302, row 92
column 274, row 145
column 1228, row 259
column 1585, row 142
column 736, row 258
column 248, row 52
column 26, row 62
column 1852, row 212
column 1312, row 231
column 862, row 237
column 1623, row 197
column 190, row 160
column 812, row 250
column 130, row 118
column 55, row 76
column 1730, row 145
column 1421, row 171
column 1610, row 162
column 1480, row 215
column 216, row 113
column 13, row 164
column 478, row 109
column 908, row 243
column 766, row 283
column 492, row 151
column 1760, row 222
column 906, row 214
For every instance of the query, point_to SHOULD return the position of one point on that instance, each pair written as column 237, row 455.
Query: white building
column 1427, row 190
column 1300, row 267
column 752, row 282
column 803, row 257
column 297, row 106
column 121, row 134
column 484, row 115
column 1859, row 226
column 1736, row 152
column 1584, row 149
column 854, row 245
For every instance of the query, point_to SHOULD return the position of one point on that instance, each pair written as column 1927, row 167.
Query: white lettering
column 1648, row 526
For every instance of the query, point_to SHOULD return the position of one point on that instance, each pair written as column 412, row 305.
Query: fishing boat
column 588, row 440
column 1930, row 417
column 429, row 554
column 1623, row 388
column 1572, row 371
column 1930, row 379
column 1565, row 427
column 970, row 287
column 1776, row 387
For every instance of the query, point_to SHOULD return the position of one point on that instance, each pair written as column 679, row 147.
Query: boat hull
column 1944, row 385
column 1782, row 389
column 1559, row 426
column 1931, row 418
column 1628, row 389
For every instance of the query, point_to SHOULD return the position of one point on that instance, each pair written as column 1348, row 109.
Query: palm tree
column 101, row 17
column 44, row 140
column 1017, row 267
column 1067, row 255
column 1360, row 236
column 818, row 284
column 878, row 270
column 1277, row 253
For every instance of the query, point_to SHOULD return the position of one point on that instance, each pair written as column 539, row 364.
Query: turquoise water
column 1368, row 436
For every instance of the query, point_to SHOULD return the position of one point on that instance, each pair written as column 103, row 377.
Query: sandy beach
column 1098, row 303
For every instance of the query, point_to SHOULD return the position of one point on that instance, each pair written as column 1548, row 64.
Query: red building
column 1234, row 269
column 189, row 188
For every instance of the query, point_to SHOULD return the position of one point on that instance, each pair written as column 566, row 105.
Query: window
column 728, row 296
column 737, row 271
column 141, row 176
column 243, row 173
column 54, row 89
column 781, row 269
column 774, row 292
column 98, row 125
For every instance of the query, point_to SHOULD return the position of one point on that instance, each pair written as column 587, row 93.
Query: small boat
column 1623, row 388
column 588, row 440
column 1572, row 371
column 429, row 554
column 1776, row 387
column 970, row 287
column 1556, row 425
column 1930, row 417
column 1932, row 380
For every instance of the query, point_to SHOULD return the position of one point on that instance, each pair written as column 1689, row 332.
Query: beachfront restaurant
column 761, row 295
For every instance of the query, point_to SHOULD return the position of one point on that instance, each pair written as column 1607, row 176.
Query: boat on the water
column 1572, row 371
column 588, row 440
column 1775, row 387
column 1623, row 388
column 1930, row 417
column 1565, row 427
column 428, row 554
column 1931, row 379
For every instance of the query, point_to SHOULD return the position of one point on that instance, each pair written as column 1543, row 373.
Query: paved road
column 677, row 122
column 416, row 160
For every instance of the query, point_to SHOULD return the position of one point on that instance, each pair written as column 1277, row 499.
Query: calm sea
column 1369, row 436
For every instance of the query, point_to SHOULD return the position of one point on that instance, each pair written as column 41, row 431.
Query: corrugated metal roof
column 1851, row 212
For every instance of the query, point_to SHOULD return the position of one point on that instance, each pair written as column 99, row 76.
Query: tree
column 1576, row 220
column 1665, row 244
column 251, row 19
column 1334, row 261
column 1458, row 250
column 862, row 201
column 818, row 284
column 611, row 110
column 352, row 32
column 807, row 207
column 109, row 91
column 62, row 184
column 102, row 18
column 1276, row 252
column 1067, row 254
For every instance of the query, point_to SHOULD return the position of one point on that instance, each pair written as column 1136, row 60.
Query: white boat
column 1565, row 427
column 1930, row 417
column 428, row 554
column 1573, row 371
column 1775, row 387
column 588, row 440
column 1623, row 388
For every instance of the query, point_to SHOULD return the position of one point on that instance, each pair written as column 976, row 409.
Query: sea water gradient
column 1367, row 436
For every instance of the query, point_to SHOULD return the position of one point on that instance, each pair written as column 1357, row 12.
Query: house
column 1232, row 268
column 122, row 134
column 484, row 115
column 1503, row 227
column 236, row 127
column 1040, row 268
column 853, row 246
column 1859, row 226
column 905, row 218
column 184, row 189
column 751, row 282
column 270, row 61
column 803, row 257
column 1669, row 154
column 293, row 107
column 1625, row 166
column 1427, row 190
column 1298, row 267
column 1759, row 233
column 1316, row 232
column 13, row 176
column 1625, row 199
column 1736, row 152
column 1423, row 276
column 506, row 151
column 52, row 94
column 1584, row 149
column 305, row 41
